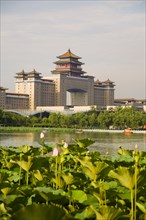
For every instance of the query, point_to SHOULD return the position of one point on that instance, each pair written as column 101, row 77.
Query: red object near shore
column 128, row 131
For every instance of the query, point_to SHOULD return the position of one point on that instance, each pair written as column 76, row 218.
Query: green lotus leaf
column 50, row 190
column 123, row 175
column 2, row 209
column 11, row 198
column 25, row 165
column 68, row 178
column 125, row 152
column 122, row 158
column 142, row 207
column 108, row 213
column 38, row 175
column 84, row 142
column 14, row 176
column 25, row 148
column 90, row 200
column 6, row 190
column 39, row 211
column 78, row 195
column 112, row 184
column 8, row 164
column 87, row 213
column 43, row 189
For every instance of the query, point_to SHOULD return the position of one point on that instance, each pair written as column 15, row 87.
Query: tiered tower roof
column 25, row 75
column 69, row 64
column 68, row 54
column 106, row 83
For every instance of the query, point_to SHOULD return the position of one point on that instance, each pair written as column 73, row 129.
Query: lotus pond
column 66, row 181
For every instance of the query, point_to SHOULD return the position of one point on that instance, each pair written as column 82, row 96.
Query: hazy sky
column 108, row 35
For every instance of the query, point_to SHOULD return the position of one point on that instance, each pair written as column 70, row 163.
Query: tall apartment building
column 40, row 91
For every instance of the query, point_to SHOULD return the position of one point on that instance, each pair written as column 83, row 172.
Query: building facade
column 17, row 101
column 40, row 91
column 69, row 85
column 2, row 98
column 104, row 93
column 72, row 87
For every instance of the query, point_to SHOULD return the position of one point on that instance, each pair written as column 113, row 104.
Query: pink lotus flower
column 55, row 152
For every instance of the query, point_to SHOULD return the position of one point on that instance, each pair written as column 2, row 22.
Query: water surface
column 104, row 142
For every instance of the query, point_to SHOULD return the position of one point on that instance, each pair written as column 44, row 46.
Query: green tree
column 105, row 119
column 53, row 120
column 92, row 118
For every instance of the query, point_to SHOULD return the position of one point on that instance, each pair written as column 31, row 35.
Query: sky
column 109, row 35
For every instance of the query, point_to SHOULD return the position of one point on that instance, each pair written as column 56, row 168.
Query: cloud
column 109, row 35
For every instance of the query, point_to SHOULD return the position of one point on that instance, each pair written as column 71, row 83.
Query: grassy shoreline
column 39, row 129
column 34, row 129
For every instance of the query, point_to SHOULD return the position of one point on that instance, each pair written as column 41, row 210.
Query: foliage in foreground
column 69, row 182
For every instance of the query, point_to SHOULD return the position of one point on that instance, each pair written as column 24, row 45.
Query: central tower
column 72, row 87
column 69, row 64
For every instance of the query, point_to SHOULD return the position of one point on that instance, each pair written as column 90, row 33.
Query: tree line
column 118, row 119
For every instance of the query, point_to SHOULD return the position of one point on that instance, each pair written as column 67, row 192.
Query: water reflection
column 104, row 142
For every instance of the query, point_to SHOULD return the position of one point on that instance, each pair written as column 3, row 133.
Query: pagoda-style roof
column 67, row 71
column 68, row 54
column 108, row 81
column 98, row 81
column 34, row 72
column 21, row 73
column 3, row 89
column 68, row 61
column 25, row 75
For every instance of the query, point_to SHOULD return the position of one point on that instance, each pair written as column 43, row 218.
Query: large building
column 17, row 101
column 72, row 87
column 40, row 90
column 69, row 85
column 103, row 93
column 13, row 100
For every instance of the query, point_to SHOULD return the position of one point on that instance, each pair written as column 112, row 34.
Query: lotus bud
column 55, row 152
column 136, row 146
column 65, row 145
column 42, row 135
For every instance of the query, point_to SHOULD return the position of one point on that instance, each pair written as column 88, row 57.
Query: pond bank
column 34, row 129
column 39, row 129
column 113, row 131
